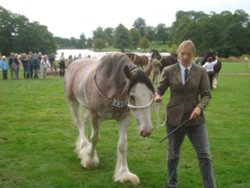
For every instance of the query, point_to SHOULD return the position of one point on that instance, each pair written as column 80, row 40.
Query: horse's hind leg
column 122, row 173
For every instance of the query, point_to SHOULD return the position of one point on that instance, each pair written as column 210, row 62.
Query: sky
column 72, row 18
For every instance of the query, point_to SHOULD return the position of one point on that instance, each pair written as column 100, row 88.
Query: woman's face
column 185, row 56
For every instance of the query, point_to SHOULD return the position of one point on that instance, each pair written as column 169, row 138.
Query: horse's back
column 77, row 73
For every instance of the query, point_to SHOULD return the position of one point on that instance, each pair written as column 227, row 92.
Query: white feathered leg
column 88, row 155
column 215, row 83
column 122, row 173
column 84, row 149
column 82, row 141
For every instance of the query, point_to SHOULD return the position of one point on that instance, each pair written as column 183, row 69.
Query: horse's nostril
column 145, row 133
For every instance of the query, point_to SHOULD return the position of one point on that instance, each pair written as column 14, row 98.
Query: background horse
column 164, row 60
column 108, row 89
column 140, row 61
column 217, row 66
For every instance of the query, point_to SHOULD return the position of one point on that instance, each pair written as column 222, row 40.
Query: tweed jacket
column 184, row 98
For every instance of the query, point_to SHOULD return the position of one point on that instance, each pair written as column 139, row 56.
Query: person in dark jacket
column 190, row 93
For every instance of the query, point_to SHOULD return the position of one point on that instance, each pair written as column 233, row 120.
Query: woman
column 189, row 95
column 209, row 66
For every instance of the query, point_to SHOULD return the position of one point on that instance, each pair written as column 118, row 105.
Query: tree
column 150, row 33
column 17, row 34
column 99, row 43
column 135, row 37
column 144, row 43
column 122, row 38
column 161, row 33
column 82, row 41
column 140, row 24
column 227, row 33
column 7, row 30
column 109, row 35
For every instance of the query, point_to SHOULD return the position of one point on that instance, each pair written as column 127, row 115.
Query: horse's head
column 155, row 54
column 141, row 95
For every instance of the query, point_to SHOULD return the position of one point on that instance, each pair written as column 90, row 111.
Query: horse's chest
column 112, row 113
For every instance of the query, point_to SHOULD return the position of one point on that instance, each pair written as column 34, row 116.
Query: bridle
column 118, row 103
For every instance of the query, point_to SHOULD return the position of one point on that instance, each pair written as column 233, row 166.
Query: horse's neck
column 108, row 88
column 160, row 58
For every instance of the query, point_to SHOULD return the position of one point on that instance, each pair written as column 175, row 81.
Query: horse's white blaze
column 141, row 93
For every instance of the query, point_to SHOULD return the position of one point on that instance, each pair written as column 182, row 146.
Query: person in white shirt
column 209, row 66
column 44, row 64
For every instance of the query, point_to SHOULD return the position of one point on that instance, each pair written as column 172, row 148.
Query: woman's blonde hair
column 189, row 44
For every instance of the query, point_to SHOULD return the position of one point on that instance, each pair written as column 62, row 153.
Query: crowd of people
column 34, row 65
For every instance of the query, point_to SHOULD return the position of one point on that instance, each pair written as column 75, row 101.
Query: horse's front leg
column 122, row 173
column 89, row 157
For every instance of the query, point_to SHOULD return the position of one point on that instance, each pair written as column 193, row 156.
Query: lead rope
column 157, row 106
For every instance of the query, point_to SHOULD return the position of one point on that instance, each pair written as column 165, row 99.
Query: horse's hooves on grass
column 128, row 178
column 90, row 163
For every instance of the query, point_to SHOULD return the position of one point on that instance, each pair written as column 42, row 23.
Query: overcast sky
column 72, row 18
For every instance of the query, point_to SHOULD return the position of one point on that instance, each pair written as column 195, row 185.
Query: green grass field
column 37, row 139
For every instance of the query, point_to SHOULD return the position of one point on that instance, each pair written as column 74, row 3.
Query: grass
column 236, row 67
column 37, row 137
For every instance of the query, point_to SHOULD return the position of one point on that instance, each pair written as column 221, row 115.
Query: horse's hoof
column 90, row 164
column 128, row 178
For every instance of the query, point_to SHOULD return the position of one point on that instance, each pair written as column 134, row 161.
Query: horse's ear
column 127, row 72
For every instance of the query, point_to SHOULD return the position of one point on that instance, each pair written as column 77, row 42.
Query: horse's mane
column 112, row 66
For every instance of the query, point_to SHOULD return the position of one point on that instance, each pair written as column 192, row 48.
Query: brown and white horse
column 164, row 60
column 108, row 89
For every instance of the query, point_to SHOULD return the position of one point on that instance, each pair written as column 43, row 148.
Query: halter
column 142, row 106
column 117, row 103
column 134, row 58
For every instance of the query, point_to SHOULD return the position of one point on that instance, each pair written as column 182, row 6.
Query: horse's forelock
column 140, row 77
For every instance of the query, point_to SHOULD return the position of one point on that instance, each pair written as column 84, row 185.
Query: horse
column 139, row 60
column 156, row 65
column 108, row 88
column 164, row 60
column 217, row 66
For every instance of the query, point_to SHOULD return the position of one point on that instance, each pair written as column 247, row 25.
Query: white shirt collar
column 183, row 71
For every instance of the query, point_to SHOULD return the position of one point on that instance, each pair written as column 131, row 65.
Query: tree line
column 227, row 33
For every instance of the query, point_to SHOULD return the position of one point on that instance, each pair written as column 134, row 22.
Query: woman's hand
column 157, row 98
column 196, row 112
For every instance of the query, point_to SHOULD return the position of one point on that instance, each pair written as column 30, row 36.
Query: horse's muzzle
column 145, row 132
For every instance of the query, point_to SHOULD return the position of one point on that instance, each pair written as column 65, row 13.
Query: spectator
column 62, row 64
column 4, row 67
column 44, row 64
column 209, row 66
